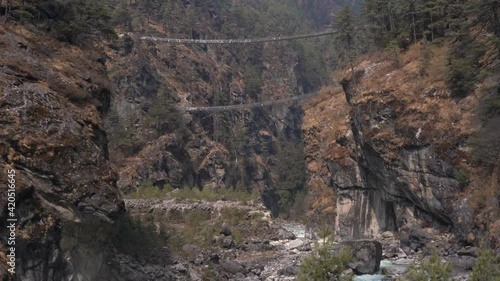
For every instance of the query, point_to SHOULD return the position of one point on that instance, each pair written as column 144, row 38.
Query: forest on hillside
column 471, row 27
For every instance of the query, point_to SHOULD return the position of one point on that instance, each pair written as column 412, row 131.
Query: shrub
column 461, row 77
column 324, row 263
column 487, row 267
column 464, row 66
column 433, row 269
column 462, row 177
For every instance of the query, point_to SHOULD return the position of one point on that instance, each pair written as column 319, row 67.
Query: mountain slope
column 397, row 150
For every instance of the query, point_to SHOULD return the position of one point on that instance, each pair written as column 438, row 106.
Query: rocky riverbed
column 242, row 242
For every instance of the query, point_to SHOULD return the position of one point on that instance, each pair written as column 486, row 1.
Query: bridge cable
column 237, row 41
column 247, row 105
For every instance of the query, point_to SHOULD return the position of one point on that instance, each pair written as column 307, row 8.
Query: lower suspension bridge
column 247, row 105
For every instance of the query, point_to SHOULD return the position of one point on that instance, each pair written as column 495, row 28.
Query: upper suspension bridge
column 218, row 108
column 237, row 41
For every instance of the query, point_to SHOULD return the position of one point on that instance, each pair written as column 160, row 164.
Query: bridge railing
column 247, row 105
column 236, row 41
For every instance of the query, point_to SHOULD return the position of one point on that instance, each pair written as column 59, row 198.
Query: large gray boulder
column 367, row 256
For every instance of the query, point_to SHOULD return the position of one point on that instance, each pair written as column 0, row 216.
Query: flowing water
column 379, row 276
column 298, row 229
column 300, row 232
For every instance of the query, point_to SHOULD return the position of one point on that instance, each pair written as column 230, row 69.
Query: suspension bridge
column 219, row 108
column 237, row 41
column 247, row 105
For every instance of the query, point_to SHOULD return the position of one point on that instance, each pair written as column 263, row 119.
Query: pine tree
column 433, row 269
column 326, row 261
column 346, row 37
column 486, row 14
column 121, row 15
column 487, row 267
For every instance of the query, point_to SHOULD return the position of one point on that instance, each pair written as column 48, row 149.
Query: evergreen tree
column 163, row 115
column 433, row 269
column 487, row 267
column 486, row 14
column 346, row 37
column 327, row 261
column 121, row 15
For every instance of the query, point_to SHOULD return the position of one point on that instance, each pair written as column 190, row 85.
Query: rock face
column 367, row 255
column 380, row 188
column 391, row 150
column 52, row 135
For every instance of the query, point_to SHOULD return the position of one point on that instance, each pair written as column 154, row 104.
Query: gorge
column 120, row 176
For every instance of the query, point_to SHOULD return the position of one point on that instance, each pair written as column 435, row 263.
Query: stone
column 347, row 272
column 305, row 248
column 471, row 238
column 228, row 242
column 260, row 247
column 463, row 263
column 294, row 244
column 190, row 250
column 468, row 251
column 390, row 251
column 232, row 267
column 239, row 276
column 292, row 270
column 367, row 255
column 401, row 254
column 387, row 235
column 214, row 258
column 180, row 268
column 284, row 234
column 226, row 230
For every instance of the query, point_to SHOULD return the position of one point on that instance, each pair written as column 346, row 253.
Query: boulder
column 367, row 255
column 232, row 267
column 463, row 263
column 292, row 270
column 260, row 246
column 468, row 251
column 387, row 235
column 228, row 242
column 284, row 234
column 305, row 248
column 190, row 250
column 214, row 258
column 226, row 230
column 390, row 251
column 294, row 244
column 418, row 239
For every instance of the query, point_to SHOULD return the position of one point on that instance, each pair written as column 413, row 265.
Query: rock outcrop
column 393, row 150
column 367, row 256
column 67, row 203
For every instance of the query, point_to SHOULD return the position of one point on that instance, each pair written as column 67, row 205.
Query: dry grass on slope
column 403, row 102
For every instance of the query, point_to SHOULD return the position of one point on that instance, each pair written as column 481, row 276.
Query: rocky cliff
column 52, row 135
column 395, row 148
